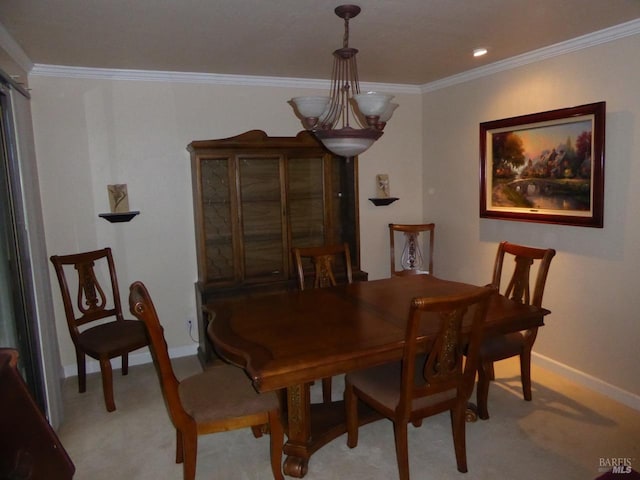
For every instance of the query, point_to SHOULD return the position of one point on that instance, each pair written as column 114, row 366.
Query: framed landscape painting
column 545, row 167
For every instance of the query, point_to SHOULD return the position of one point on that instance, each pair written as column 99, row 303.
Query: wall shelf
column 119, row 217
column 383, row 201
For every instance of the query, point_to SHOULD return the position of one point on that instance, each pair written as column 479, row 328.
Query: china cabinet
column 255, row 198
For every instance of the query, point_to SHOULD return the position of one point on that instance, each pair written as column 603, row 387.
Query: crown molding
column 203, row 78
column 578, row 43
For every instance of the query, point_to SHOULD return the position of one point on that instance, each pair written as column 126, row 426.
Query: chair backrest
column 141, row 306
column 444, row 369
column 412, row 260
column 518, row 287
column 93, row 302
column 325, row 259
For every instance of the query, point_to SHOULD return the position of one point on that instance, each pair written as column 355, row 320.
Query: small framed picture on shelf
column 382, row 186
column 118, row 198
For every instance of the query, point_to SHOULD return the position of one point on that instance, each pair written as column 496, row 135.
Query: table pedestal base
column 310, row 426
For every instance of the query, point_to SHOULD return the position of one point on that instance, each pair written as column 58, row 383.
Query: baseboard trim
column 592, row 383
column 134, row 359
column 615, row 393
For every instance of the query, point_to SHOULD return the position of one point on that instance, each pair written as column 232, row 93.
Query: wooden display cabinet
column 255, row 198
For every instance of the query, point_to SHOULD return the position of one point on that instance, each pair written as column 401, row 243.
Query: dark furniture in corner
column 29, row 447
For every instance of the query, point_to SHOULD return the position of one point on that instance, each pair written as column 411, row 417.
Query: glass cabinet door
column 306, row 201
column 261, row 199
column 217, row 219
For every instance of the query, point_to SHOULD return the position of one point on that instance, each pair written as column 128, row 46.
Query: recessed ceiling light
column 478, row 52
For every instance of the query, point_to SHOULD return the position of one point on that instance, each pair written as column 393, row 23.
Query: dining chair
column 326, row 260
column 520, row 344
column 29, row 446
column 422, row 385
column 412, row 260
column 219, row 399
column 90, row 333
column 323, row 258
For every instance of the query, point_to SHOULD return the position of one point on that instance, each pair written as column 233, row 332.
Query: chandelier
column 330, row 117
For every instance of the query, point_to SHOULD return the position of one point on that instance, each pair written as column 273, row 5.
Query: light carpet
column 564, row 433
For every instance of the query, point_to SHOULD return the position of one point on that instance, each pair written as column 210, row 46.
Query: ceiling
column 410, row 42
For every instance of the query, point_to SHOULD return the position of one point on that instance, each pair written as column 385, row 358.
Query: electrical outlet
column 189, row 323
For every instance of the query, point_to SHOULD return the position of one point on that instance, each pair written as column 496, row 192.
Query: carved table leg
column 311, row 426
column 299, row 431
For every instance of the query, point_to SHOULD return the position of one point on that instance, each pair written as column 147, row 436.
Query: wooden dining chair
column 412, row 260
column 217, row 400
column 325, row 260
column 90, row 334
column 517, row 343
column 422, row 385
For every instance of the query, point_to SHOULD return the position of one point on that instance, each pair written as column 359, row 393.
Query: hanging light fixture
column 329, row 117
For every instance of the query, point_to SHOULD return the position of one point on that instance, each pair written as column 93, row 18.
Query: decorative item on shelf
column 383, row 191
column 328, row 117
column 119, row 204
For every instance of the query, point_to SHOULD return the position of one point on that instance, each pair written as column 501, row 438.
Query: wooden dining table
column 285, row 341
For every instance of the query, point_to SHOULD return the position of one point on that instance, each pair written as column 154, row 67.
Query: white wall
column 592, row 287
column 94, row 132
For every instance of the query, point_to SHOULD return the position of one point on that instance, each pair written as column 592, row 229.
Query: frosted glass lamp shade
column 347, row 141
column 311, row 107
column 347, row 147
column 372, row 104
column 388, row 112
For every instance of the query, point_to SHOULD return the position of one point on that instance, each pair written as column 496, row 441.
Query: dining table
column 285, row 341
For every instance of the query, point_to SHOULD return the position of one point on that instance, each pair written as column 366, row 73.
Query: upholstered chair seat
column 237, row 401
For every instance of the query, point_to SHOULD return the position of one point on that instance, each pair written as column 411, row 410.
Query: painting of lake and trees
column 543, row 168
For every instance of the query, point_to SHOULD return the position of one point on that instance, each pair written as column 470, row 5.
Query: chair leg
column 276, row 444
column 351, row 409
column 190, row 453
column 326, row 390
column 82, row 371
column 402, row 449
column 482, row 389
column 179, row 447
column 525, row 374
column 125, row 364
column 491, row 373
column 458, row 428
column 107, row 384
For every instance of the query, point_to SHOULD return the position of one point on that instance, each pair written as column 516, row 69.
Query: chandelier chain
column 345, row 40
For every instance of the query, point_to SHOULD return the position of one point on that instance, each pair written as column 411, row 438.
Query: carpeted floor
column 567, row 432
